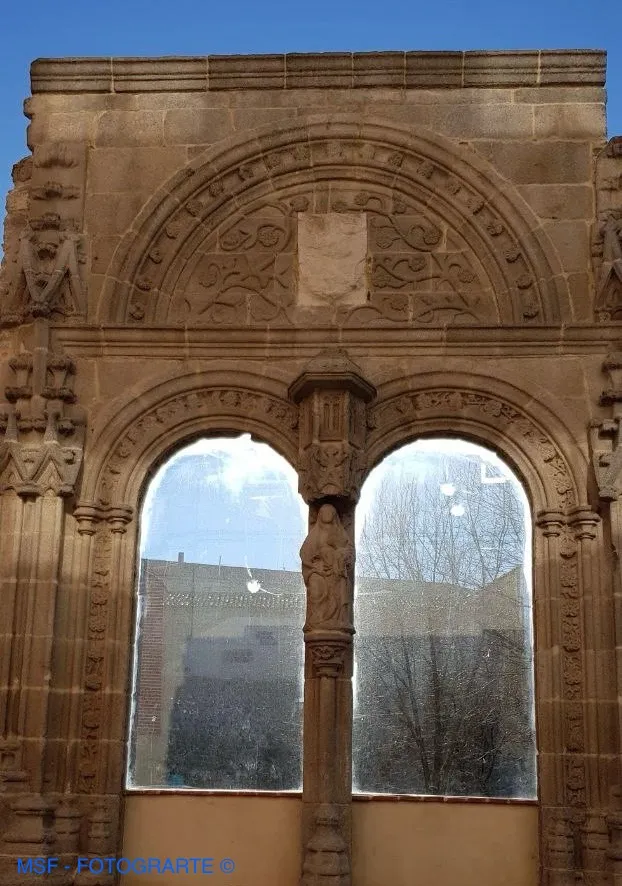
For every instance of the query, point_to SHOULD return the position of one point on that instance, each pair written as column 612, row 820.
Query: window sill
column 358, row 797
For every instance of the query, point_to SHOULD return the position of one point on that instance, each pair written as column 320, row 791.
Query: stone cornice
column 92, row 341
column 343, row 70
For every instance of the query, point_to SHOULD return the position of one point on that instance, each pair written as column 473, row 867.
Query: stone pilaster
column 41, row 445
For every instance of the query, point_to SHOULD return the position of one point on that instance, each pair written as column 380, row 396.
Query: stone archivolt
column 484, row 408
column 445, row 243
column 138, row 431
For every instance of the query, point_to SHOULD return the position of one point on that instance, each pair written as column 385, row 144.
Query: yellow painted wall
column 404, row 842
column 260, row 834
column 398, row 842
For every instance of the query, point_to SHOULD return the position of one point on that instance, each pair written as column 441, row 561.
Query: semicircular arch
column 371, row 167
column 140, row 430
column 535, row 443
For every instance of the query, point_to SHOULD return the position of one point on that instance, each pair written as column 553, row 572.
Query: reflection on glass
column 217, row 699
column 444, row 701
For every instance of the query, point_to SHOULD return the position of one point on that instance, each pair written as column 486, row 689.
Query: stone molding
column 139, row 428
column 492, row 413
column 429, row 70
column 394, row 170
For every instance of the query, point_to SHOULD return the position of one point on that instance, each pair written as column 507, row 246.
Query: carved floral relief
column 437, row 251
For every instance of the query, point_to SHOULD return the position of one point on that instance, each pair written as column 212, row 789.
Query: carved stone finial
column 41, row 431
column 332, row 394
column 605, row 435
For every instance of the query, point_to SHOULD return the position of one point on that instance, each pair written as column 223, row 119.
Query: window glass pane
column 443, row 697
column 217, row 699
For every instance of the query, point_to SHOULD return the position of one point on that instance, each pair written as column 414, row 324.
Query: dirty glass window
column 217, row 684
column 443, row 696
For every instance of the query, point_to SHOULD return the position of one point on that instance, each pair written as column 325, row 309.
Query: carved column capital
column 332, row 396
column 329, row 653
column 550, row 522
column 584, row 523
column 89, row 514
column 119, row 517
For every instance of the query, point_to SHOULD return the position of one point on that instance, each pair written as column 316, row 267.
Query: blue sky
column 201, row 27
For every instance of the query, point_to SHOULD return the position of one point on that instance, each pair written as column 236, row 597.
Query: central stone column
column 332, row 395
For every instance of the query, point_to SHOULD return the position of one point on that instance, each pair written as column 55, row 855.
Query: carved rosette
column 332, row 395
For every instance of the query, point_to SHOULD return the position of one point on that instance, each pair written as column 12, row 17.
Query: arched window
column 444, row 700
column 217, row 694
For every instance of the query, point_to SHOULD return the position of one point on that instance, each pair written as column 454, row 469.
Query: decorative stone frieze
column 453, row 407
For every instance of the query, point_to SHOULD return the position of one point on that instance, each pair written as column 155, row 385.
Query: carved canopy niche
column 427, row 231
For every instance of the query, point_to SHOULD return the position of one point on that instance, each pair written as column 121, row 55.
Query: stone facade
column 336, row 253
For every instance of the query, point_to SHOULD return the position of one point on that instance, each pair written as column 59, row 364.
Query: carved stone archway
column 217, row 244
column 463, row 219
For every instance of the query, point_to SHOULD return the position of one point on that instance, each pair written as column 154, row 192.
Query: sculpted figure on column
column 327, row 556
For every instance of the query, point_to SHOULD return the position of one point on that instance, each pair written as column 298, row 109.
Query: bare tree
column 444, row 693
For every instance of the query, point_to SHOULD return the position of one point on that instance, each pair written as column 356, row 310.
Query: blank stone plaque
column 332, row 254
